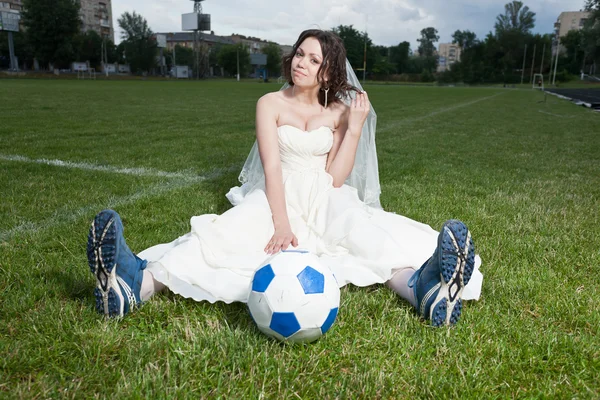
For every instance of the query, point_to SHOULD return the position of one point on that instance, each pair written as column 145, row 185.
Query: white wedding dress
column 360, row 244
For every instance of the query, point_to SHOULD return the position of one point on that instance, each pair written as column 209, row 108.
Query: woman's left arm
column 343, row 152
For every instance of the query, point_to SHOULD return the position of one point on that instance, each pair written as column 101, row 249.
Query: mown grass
column 524, row 175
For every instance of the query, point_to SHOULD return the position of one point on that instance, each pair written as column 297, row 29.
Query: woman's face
column 306, row 63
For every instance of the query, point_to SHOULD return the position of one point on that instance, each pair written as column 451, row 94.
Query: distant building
column 11, row 5
column 286, row 49
column 186, row 39
column 254, row 44
column 448, row 54
column 96, row 15
column 568, row 21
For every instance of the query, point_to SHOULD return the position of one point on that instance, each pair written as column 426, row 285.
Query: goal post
column 538, row 81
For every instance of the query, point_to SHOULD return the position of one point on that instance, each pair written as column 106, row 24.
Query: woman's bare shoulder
column 271, row 103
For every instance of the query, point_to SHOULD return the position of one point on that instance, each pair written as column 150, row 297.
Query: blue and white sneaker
column 118, row 271
column 438, row 285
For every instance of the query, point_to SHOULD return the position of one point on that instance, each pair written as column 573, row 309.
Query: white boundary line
column 100, row 168
column 556, row 115
column 434, row 113
column 64, row 215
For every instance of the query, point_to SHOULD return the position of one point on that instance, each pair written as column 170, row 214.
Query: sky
column 388, row 22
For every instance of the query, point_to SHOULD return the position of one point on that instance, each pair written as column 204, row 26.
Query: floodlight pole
column 532, row 63
column 555, row 63
column 523, row 69
column 197, row 10
column 105, row 55
column 238, row 63
column 542, row 63
column 11, row 49
column 365, row 55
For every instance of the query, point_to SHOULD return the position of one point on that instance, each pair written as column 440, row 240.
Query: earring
column 326, row 91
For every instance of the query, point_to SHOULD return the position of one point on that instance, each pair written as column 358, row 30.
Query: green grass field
column 524, row 175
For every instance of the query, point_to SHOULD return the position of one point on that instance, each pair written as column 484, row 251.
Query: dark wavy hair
column 333, row 64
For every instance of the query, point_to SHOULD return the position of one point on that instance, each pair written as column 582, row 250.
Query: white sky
column 388, row 22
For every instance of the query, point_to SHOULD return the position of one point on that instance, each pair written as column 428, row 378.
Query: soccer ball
column 294, row 297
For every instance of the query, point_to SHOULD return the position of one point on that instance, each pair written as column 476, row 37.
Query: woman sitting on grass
column 312, row 137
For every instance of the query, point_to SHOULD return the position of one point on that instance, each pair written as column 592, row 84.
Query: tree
column 592, row 31
column 574, row 43
column 51, row 26
column 88, row 47
column 228, row 56
column 465, row 39
column 354, row 42
column 273, row 52
column 516, row 17
column 184, row 55
column 139, row 44
column 399, row 56
column 382, row 66
column 426, row 43
column 134, row 27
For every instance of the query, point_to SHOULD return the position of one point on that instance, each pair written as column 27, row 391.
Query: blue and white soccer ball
column 294, row 297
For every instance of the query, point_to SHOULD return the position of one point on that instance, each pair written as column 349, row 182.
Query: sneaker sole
column 102, row 255
column 457, row 264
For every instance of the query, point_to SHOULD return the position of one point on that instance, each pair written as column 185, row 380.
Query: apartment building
column 448, row 54
column 16, row 5
column 568, row 21
column 97, row 15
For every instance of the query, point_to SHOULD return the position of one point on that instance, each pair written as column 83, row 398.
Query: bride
column 310, row 181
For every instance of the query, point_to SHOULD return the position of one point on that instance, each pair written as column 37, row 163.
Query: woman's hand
column 359, row 109
column 281, row 240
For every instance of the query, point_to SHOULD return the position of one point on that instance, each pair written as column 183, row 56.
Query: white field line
column 100, row 168
column 405, row 121
column 555, row 115
column 64, row 215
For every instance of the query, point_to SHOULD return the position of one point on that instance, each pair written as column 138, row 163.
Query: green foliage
column 592, row 5
column 451, row 75
column 574, row 43
column 51, row 27
column 354, row 42
column 213, row 54
column 140, row 48
column 427, row 76
column 465, row 39
column 499, row 58
column 427, row 41
column 565, row 76
column 228, row 59
column 516, row 17
column 418, row 64
column 399, row 56
column 88, row 47
column 184, row 56
column 273, row 52
column 23, row 49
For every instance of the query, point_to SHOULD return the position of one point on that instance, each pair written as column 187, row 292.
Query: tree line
column 501, row 56
column 505, row 54
column 52, row 35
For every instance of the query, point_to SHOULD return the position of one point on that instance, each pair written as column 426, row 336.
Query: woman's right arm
column 268, row 147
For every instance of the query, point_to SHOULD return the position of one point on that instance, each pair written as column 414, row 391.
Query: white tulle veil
column 365, row 173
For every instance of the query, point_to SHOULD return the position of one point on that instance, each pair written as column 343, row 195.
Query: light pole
column 238, row 63
column 523, row 69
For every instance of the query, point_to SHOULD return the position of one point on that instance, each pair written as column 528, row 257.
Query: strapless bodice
column 304, row 150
